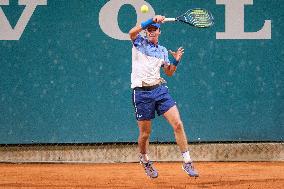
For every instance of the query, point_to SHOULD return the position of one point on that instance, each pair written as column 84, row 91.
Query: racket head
column 197, row 17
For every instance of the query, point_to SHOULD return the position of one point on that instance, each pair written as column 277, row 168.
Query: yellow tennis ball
column 144, row 9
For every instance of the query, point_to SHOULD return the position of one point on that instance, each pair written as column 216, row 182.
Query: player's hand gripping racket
column 197, row 17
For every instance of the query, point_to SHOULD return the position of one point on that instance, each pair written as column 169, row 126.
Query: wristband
column 174, row 62
column 147, row 23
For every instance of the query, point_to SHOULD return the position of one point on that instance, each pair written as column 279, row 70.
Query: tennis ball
column 144, row 9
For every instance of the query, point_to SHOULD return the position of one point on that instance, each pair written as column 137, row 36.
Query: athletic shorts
column 147, row 102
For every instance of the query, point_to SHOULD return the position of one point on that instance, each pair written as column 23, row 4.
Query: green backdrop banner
column 66, row 65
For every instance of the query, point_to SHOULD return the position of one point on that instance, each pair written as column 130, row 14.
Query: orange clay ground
column 229, row 175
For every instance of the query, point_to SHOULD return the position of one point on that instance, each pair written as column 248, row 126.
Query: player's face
column 153, row 33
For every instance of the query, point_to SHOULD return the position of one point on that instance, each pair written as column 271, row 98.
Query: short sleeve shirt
column 147, row 59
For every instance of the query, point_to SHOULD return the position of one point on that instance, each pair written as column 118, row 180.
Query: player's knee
column 145, row 134
column 178, row 126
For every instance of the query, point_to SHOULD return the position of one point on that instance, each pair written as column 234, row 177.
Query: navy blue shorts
column 147, row 102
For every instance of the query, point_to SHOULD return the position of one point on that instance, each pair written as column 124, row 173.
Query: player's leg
column 143, row 139
column 143, row 143
column 166, row 106
column 145, row 111
column 173, row 117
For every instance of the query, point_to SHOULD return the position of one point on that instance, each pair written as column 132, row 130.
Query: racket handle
column 170, row 20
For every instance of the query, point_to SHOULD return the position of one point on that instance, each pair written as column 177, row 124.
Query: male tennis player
column 150, row 93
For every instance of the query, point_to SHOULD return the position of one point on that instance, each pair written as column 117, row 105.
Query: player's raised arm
column 170, row 69
column 137, row 29
column 134, row 32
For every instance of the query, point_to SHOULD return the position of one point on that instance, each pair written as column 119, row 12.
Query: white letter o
column 109, row 14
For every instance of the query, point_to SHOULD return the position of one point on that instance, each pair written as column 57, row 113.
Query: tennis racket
column 197, row 17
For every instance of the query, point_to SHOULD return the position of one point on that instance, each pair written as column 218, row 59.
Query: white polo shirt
column 147, row 59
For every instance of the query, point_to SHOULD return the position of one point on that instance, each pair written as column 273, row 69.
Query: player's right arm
column 133, row 33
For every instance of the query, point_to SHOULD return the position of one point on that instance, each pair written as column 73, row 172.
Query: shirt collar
column 152, row 44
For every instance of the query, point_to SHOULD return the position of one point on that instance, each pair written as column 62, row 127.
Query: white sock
column 144, row 158
column 186, row 157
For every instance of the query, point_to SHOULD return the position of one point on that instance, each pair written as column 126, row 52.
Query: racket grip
column 169, row 19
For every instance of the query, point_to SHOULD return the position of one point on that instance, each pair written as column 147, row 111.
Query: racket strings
column 199, row 18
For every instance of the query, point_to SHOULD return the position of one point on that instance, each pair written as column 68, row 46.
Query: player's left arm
column 171, row 68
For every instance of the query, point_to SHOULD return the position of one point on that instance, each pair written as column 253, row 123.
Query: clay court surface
column 130, row 175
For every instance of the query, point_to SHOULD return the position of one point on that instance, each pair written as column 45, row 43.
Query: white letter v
column 6, row 30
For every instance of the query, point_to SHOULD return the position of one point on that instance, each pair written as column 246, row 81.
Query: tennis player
column 150, row 93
